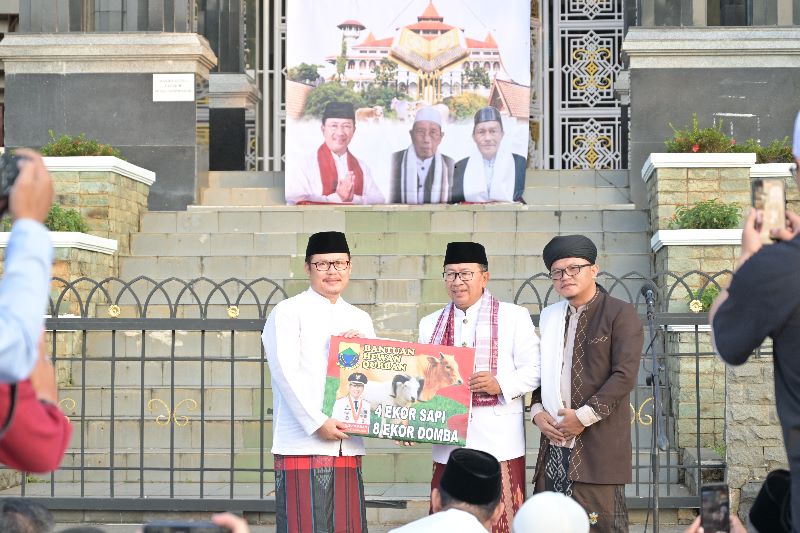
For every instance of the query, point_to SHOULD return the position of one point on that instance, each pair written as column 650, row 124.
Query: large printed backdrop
column 390, row 59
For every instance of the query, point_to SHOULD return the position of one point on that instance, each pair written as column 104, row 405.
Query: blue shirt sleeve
column 796, row 138
column 24, row 292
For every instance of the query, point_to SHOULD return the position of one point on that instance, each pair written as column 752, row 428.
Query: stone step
column 400, row 464
column 535, row 196
column 584, row 178
column 393, row 219
column 567, row 196
column 501, row 241
column 411, row 499
column 595, row 178
column 236, row 178
column 372, row 291
column 236, row 196
column 521, row 262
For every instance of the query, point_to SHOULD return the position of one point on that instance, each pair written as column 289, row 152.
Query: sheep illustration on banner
column 400, row 390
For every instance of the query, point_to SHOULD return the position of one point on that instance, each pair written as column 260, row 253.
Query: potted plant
column 93, row 178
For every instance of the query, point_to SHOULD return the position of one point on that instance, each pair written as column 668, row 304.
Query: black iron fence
column 166, row 385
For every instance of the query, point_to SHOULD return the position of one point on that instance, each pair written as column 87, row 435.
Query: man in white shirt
column 332, row 175
column 468, row 498
column 420, row 173
column 314, row 459
column 506, row 367
column 491, row 173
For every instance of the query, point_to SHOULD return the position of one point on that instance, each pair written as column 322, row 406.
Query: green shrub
column 694, row 139
column 330, row 92
column 707, row 214
column 58, row 220
column 706, row 140
column 68, row 145
column 706, row 296
column 65, row 220
column 778, row 151
column 464, row 105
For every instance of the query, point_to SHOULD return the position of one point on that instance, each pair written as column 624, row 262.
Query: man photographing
column 763, row 300
column 26, row 279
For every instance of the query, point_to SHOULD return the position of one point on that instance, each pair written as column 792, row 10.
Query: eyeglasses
column 324, row 266
column 571, row 271
column 464, row 275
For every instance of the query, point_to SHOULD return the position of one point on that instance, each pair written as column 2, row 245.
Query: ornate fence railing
column 166, row 384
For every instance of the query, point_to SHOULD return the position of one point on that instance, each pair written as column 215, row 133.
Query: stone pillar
column 232, row 112
column 747, row 77
column 754, row 438
column 101, row 84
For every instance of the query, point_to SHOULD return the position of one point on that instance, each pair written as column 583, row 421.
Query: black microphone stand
column 660, row 442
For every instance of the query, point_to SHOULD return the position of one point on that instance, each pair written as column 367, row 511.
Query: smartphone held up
column 769, row 197
column 715, row 508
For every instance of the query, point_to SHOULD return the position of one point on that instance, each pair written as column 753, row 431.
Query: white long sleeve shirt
column 296, row 340
column 499, row 429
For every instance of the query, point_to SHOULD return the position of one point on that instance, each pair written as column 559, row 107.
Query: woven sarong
column 556, row 468
column 319, row 494
column 513, row 490
column 605, row 505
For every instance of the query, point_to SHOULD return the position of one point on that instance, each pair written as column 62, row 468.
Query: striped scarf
column 485, row 340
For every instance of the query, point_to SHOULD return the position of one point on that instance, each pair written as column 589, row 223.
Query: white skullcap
column 430, row 114
column 551, row 512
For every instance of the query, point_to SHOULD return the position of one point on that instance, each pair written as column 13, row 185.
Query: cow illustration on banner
column 407, row 102
column 399, row 390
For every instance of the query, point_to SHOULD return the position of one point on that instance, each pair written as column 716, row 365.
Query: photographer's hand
column 32, row 193
column 232, row 522
column 790, row 231
column 751, row 237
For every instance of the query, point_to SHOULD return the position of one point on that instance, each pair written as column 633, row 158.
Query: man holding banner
column 491, row 173
column 318, row 482
column 506, row 367
column 420, row 174
column 332, row 174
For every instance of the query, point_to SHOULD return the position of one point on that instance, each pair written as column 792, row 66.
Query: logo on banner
column 349, row 354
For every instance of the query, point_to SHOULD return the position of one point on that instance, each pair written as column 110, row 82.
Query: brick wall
column 670, row 187
column 110, row 203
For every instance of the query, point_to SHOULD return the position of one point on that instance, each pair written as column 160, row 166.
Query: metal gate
column 166, row 385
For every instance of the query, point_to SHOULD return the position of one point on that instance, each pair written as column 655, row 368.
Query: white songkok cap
column 552, row 512
column 430, row 114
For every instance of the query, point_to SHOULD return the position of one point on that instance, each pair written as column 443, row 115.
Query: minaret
column 351, row 30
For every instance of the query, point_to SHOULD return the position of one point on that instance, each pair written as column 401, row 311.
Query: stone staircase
column 242, row 230
column 397, row 250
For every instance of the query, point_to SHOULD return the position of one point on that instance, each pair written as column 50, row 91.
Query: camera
column 9, row 169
